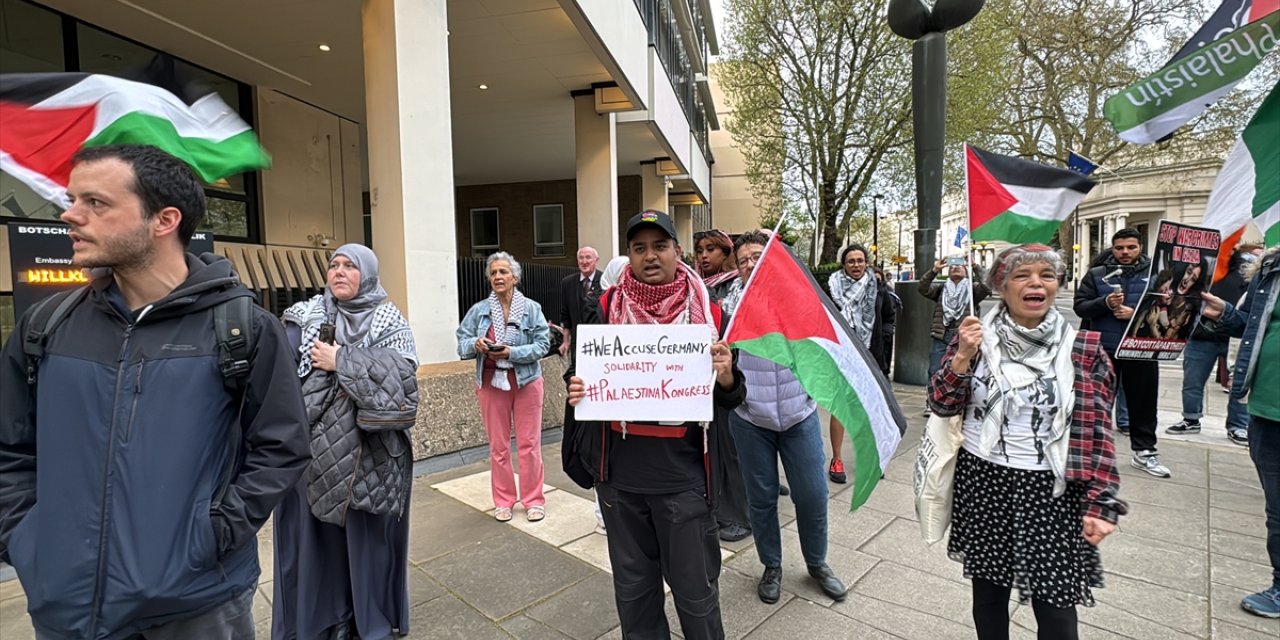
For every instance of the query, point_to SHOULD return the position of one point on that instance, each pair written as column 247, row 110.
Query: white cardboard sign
column 645, row 372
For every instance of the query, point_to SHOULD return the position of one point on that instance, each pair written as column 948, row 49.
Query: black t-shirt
column 645, row 464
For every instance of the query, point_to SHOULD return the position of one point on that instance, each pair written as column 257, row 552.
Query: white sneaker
column 1149, row 461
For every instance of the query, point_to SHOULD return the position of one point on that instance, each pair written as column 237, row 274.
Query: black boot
column 828, row 581
column 770, row 587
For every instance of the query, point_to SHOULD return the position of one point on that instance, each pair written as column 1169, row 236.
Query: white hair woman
column 507, row 335
column 1035, row 481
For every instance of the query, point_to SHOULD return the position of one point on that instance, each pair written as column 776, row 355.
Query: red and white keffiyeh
column 682, row 301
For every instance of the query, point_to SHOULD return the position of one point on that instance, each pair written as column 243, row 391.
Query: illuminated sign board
column 40, row 260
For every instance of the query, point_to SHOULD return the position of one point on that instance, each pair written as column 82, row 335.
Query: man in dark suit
column 575, row 291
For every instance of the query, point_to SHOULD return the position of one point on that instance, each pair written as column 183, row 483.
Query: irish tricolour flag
column 786, row 318
column 46, row 117
column 1018, row 201
column 1248, row 187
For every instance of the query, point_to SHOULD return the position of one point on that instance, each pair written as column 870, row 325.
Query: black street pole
column 875, row 229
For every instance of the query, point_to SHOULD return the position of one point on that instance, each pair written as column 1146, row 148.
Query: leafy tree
column 820, row 91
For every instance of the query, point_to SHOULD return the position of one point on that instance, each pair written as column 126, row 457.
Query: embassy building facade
column 434, row 131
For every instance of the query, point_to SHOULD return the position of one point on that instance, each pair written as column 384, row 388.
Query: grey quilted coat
column 361, row 455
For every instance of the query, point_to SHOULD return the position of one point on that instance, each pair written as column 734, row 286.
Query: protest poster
column 645, row 372
column 1181, row 268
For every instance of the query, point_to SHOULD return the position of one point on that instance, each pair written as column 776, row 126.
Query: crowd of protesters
column 306, row 418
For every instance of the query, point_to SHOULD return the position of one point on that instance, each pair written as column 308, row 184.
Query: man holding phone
column 1107, row 296
column 952, row 298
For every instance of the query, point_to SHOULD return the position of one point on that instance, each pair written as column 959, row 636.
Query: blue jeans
column 939, row 350
column 803, row 458
column 1122, row 409
column 1198, row 359
column 1264, row 448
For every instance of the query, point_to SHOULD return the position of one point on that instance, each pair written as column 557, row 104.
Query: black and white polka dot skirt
column 1006, row 527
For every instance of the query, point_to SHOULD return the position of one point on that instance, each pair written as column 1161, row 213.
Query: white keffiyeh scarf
column 857, row 301
column 955, row 300
column 506, row 330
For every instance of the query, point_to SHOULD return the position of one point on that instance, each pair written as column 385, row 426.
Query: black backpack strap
column 43, row 321
column 233, row 324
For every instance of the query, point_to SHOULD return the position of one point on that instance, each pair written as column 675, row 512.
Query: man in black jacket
column 1205, row 348
column 133, row 478
column 576, row 292
column 1106, row 298
column 653, row 479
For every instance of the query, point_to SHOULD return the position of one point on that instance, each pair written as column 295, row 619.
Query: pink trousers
column 500, row 410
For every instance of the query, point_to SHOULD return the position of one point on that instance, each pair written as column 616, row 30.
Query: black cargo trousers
column 656, row 536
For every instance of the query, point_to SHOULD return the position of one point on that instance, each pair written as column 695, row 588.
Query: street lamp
column 875, row 228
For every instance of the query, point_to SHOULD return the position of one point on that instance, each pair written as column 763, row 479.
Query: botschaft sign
column 40, row 261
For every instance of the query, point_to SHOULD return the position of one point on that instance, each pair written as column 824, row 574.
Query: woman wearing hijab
column 1036, row 487
column 866, row 306
column 508, row 336
column 713, row 255
column 342, row 537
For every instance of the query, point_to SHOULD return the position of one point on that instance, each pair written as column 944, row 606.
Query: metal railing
column 664, row 36
column 538, row 282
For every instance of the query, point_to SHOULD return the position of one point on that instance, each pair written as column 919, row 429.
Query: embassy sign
column 40, row 261
column 1160, row 103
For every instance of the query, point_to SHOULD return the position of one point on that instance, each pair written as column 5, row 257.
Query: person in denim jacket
column 508, row 336
column 1257, row 323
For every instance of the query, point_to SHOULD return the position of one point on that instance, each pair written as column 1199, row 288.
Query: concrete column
column 653, row 187
column 683, row 217
column 596, row 143
column 406, row 71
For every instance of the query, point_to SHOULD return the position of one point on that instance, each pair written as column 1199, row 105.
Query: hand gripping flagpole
column 968, row 238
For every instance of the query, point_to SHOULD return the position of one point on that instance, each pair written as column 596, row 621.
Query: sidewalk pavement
column 1192, row 547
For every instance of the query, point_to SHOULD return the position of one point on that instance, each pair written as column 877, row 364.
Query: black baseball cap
column 651, row 218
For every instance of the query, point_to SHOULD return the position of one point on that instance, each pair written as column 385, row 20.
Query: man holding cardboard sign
column 654, row 388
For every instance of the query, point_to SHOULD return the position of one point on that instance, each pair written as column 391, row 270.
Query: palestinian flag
column 1248, row 187
column 45, row 118
column 785, row 317
column 1018, row 201
column 1199, row 74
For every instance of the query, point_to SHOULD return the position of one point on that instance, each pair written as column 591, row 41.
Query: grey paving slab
column 10, row 589
column 900, row 542
column 1187, row 469
column 852, row 529
column 1233, row 544
column 439, row 524
column 894, row 498
column 919, row 591
column 15, row 624
column 1146, row 490
column 1023, row 625
column 261, row 606
column 740, row 608
column 503, row 574
column 1225, row 606
column 902, row 466
column 1247, row 504
column 1158, row 562
column 901, row 621
column 1241, row 574
column 422, row 587
column 1239, row 486
column 448, row 618
column 1243, row 523
column 583, row 611
column 1118, row 619
column 1236, row 466
column 803, row 619
column 1173, row 608
column 1163, row 523
column 1223, row 630
column 848, row 565
column 529, row 629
